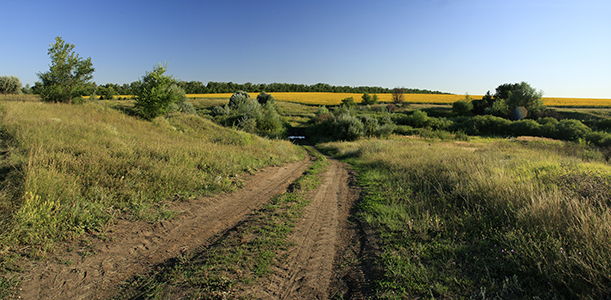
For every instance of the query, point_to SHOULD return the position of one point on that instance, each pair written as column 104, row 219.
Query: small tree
column 106, row 92
column 348, row 102
column 520, row 94
column 10, row 85
column 157, row 94
column 67, row 74
column 264, row 97
column 397, row 95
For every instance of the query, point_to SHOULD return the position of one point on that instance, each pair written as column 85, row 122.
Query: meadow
column 67, row 170
column 487, row 218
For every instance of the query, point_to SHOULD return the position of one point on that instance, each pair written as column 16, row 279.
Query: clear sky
column 561, row 47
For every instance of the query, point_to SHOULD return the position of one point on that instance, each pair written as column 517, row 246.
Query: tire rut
column 306, row 271
column 137, row 246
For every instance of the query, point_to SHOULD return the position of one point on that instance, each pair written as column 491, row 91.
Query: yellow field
column 336, row 98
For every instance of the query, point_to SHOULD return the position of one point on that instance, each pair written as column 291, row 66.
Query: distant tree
column 348, row 102
column 26, row 89
column 106, row 92
column 67, row 75
column 397, row 95
column 368, row 99
column 10, row 85
column 520, row 94
column 157, row 94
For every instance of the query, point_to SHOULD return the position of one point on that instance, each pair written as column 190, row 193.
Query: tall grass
column 484, row 219
column 81, row 165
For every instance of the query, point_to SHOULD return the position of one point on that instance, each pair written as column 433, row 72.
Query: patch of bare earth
column 308, row 269
column 134, row 247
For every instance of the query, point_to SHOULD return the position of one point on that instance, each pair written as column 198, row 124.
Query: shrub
column 238, row 98
column 525, row 127
column 10, row 85
column 186, row 108
column 348, row 101
column 348, row 127
column 418, row 118
column 157, row 94
column 571, row 130
column 486, row 125
column 264, row 98
column 397, row 96
column 368, row 99
column 599, row 138
column 499, row 108
column 462, row 107
column 439, row 123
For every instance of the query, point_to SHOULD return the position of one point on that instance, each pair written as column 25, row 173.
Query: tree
column 68, row 73
column 520, row 94
column 264, row 98
column 10, row 85
column 368, row 99
column 397, row 95
column 157, row 94
column 462, row 107
column 106, row 92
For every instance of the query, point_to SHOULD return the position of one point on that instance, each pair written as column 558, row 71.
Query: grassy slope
column 484, row 219
column 80, row 165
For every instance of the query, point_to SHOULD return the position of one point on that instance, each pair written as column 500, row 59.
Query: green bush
column 250, row 116
column 264, row 98
column 599, row 138
column 157, row 94
column 186, row 108
column 525, row 127
column 348, row 127
column 519, row 113
column 486, row 125
column 462, row 107
column 348, row 102
column 10, row 85
column 571, row 130
column 238, row 98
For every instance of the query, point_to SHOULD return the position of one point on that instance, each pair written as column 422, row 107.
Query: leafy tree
column 520, row 94
column 67, row 75
column 238, row 98
column 10, row 85
column 106, row 92
column 157, row 94
column 348, row 102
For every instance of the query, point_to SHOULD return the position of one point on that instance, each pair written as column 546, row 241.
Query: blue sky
column 561, row 47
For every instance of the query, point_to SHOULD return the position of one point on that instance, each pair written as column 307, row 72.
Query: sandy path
column 137, row 246
column 306, row 271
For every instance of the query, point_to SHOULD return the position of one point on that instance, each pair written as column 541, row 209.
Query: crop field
column 336, row 98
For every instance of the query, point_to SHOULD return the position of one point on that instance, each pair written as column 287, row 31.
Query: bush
column 368, row 99
column 519, row 113
column 439, row 123
column 157, row 94
column 486, row 125
column 499, row 108
column 186, row 108
column 238, row 98
column 348, row 101
column 10, row 85
column 462, row 107
column 599, row 138
column 571, row 130
column 348, row 127
column 525, row 127
column 264, row 98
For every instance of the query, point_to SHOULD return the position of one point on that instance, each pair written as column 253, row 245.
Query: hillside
column 70, row 169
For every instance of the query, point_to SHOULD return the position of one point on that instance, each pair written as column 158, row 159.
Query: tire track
column 137, row 246
column 306, row 270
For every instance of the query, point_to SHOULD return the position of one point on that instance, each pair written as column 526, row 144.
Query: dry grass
column 509, row 219
column 78, row 166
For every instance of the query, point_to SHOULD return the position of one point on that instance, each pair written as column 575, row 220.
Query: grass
column 488, row 218
column 70, row 169
column 237, row 258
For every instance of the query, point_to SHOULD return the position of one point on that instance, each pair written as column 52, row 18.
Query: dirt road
column 307, row 269
column 137, row 246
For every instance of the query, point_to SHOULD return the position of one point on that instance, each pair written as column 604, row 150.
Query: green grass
column 484, row 219
column 70, row 169
column 238, row 258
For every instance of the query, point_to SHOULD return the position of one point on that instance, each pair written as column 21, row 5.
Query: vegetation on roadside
column 238, row 258
column 489, row 219
column 72, row 168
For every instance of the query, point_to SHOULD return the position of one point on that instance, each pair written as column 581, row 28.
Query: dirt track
column 307, row 269
column 137, row 246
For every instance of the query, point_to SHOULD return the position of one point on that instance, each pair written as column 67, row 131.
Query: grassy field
column 70, row 169
column 489, row 218
column 336, row 98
